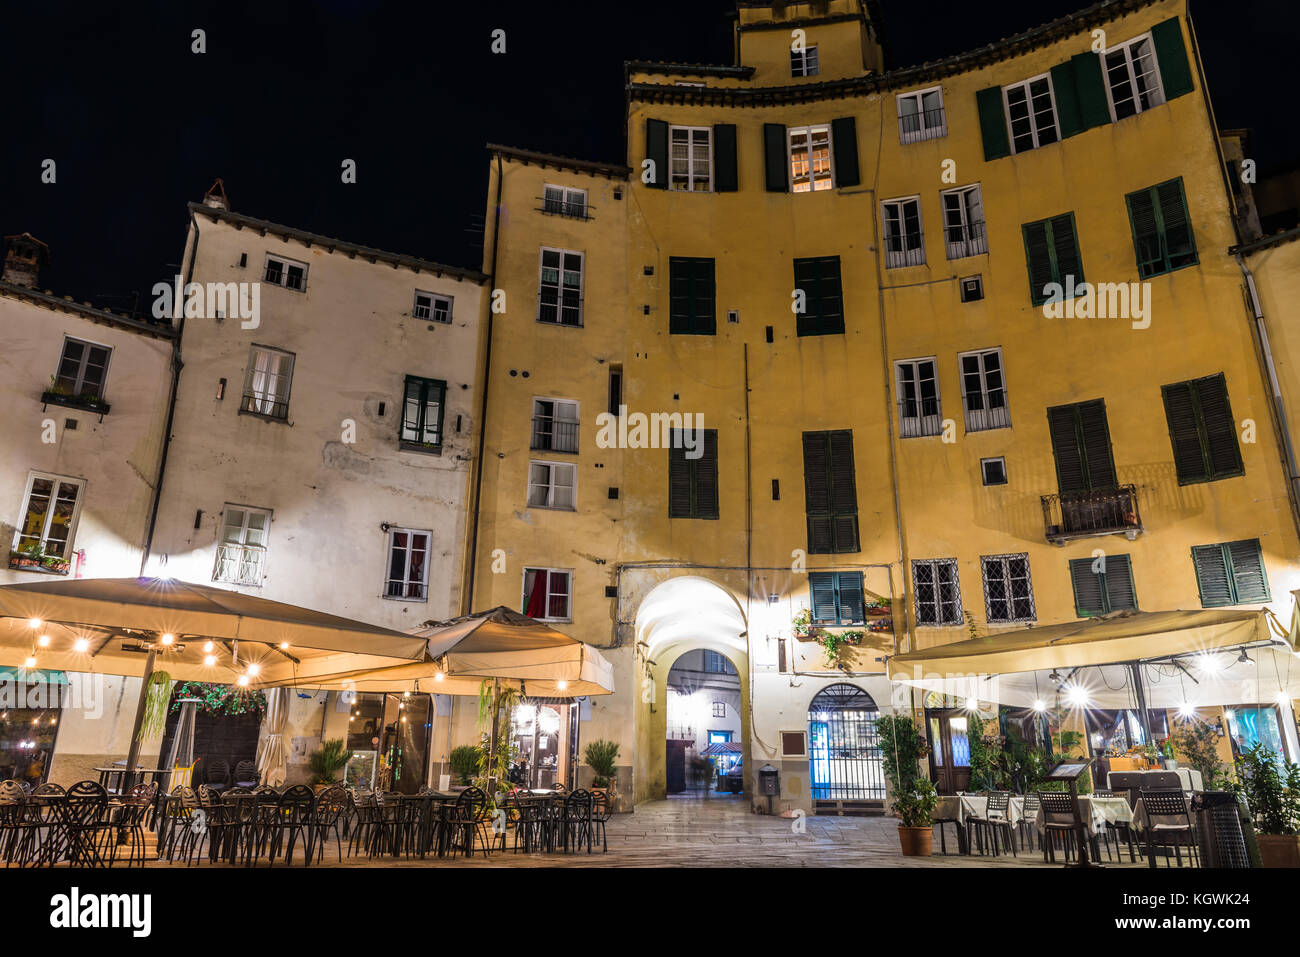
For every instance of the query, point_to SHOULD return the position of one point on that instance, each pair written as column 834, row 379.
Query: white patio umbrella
column 271, row 756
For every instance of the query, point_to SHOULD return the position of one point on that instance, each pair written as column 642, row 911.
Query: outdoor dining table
column 110, row 779
column 959, row 807
column 1098, row 812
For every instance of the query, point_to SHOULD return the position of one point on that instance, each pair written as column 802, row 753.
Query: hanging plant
column 835, row 643
column 220, row 699
column 802, row 624
column 156, row 700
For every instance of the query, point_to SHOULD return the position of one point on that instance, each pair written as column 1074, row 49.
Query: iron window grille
column 938, row 592
column 1008, row 590
column 984, row 391
column 904, row 236
column 844, row 747
column 555, row 425
column 565, row 201
column 241, row 551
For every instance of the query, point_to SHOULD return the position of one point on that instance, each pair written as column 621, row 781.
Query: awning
column 720, row 748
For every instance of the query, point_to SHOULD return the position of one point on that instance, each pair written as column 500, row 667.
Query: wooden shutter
column 851, row 597
column 817, row 492
column 679, row 480
column 693, row 483
column 1171, row 55
column 1089, row 81
column 830, row 297
column 1212, row 575
column 691, row 296
column 1065, row 247
column 656, row 150
column 1088, row 597
column 1146, row 232
column 1120, row 593
column 725, row 178
column 1095, row 434
column 808, row 322
column 706, row 477
column 1220, row 427
column 1038, row 258
column 993, row 123
column 822, row 587
column 844, row 492
column 1068, row 113
column 1249, row 582
column 1185, row 433
column 1179, row 243
column 775, row 159
column 844, row 143
column 1081, row 447
column 1066, row 450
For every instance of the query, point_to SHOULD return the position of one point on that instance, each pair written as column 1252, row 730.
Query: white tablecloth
column 1098, row 812
column 959, row 807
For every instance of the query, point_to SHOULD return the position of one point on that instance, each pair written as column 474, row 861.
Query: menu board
column 1067, row 771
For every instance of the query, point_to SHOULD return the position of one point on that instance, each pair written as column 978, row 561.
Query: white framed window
column 1031, row 113
column 904, row 237
column 921, row 116
column 267, row 382
column 241, row 549
column 564, row 201
column 993, row 471
column 51, row 507
column 288, row 273
column 431, row 305
column 560, row 287
column 810, row 159
column 83, row 369
column 690, row 158
column 984, row 390
column 719, row 709
column 1008, row 591
column 963, row 222
column 552, row 485
column 919, row 412
column 555, row 425
column 804, row 62
column 938, row 591
column 408, row 564
column 548, row 594
column 1132, row 77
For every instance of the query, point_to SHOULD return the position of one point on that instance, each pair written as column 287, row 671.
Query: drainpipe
column 467, row 600
column 177, row 365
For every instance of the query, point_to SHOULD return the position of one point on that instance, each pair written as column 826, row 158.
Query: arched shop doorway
column 702, row 751
column 844, row 751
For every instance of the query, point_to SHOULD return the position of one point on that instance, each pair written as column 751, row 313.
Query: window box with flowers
column 33, row 558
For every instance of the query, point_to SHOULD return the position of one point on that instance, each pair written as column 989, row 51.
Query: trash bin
column 1219, row 830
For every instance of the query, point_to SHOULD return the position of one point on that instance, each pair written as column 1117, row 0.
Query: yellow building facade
column 838, row 273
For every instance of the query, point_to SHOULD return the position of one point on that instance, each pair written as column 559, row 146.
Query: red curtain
column 537, row 597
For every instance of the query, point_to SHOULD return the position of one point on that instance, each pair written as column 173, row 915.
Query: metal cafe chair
column 333, row 805
column 575, row 820
column 470, row 823
column 600, row 814
column 993, row 823
column 245, row 775
column 130, row 822
column 293, row 818
column 83, row 814
column 1058, row 823
column 1176, row 831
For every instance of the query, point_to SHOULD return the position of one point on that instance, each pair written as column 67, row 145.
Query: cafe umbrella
column 138, row 626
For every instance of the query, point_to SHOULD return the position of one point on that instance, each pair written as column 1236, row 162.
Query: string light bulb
column 1040, row 705
column 438, row 676
column 561, row 685
column 209, row 647
column 284, row 646
column 242, row 681
column 1077, row 695
column 1187, row 711
column 33, row 623
column 209, row 660
column 81, row 645
column 254, row 668
column 43, row 641
column 30, row 662
column 167, row 638
column 1283, row 698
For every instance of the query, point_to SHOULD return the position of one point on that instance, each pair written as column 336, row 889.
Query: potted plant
column 834, row 644
column 915, row 809
column 1271, row 787
column 600, row 756
column 802, row 625
column 464, row 761
column 33, row 557
column 327, row 761
column 1198, row 744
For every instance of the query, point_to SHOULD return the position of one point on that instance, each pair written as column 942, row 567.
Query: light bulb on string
column 209, row 660
column 81, row 645
column 209, row 647
column 167, row 639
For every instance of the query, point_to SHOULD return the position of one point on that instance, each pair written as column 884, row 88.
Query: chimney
column 216, row 196
column 24, row 257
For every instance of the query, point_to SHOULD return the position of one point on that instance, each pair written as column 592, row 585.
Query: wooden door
column 675, row 765
column 949, row 750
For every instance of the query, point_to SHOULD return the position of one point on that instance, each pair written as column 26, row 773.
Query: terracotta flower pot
column 915, row 841
column 1279, row 850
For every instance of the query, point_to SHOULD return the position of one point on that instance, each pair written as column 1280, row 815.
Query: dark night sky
column 139, row 125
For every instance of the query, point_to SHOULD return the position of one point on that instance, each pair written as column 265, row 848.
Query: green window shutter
column 1179, row 243
column 1185, row 433
column 775, row 159
column 1038, row 257
column 725, row 178
column 849, row 586
column 1147, row 241
column 817, row 492
column 691, row 297
column 1118, row 581
column 1212, row 579
column 807, row 280
column 1220, row 427
column 693, row 483
column 1162, row 230
column 819, row 279
column 1081, row 446
column 822, row 587
column 844, row 142
column 1171, row 55
column 1067, row 99
column 679, row 481
column 844, row 492
column 1095, row 435
column 1065, row 249
column 993, row 123
column 706, row 477
column 1249, row 582
column 1089, row 596
column 1094, row 108
column 656, row 150
column 1202, row 430
column 1061, row 424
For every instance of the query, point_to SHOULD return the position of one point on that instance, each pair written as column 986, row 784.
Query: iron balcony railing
column 992, row 414
column 267, row 405
column 560, row 310
column 919, row 417
column 1071, row 515
column 560, row 207
column 554, row 435
column 926, row 125
column 904, row 250
column 969, row 239
column 239, row 564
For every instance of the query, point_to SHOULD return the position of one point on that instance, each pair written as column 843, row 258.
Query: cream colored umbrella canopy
column 109, row 626
column 502, row 644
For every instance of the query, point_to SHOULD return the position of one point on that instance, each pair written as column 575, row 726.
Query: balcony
column 572, row 209
column 1072, row 515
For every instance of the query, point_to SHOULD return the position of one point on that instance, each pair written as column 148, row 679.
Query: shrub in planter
column 327, row 761
column 600, row 757
column 464, row 761
column 1271, row 788
column 915, row 809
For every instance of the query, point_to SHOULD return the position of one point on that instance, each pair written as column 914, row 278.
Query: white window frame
column 559, row 290
column 807, row 133
column 523, row 588
column 285, row 262
column 719, row 709
column 902, row 258
column 439, row 308
column 924, row 425
column 975, row 232
column 1029, row 104
column 551, row 486
column 258, row 399
column 1006, row 479
column 79, row 382
column 58, row 482
column 241, row 553
column 571, row 201
column 697, row 181
column 924, row 131
column 987, row 418
column 406, row 582
column 560, row 406
column 916, row 597
column 1158, row 99
column 1003, row 562
column 805, row 62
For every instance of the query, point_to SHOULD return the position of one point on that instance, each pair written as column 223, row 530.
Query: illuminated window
column 690, row 158
column 810, row 158
column 241, row 552
column 408, row 564
column 51, row 506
